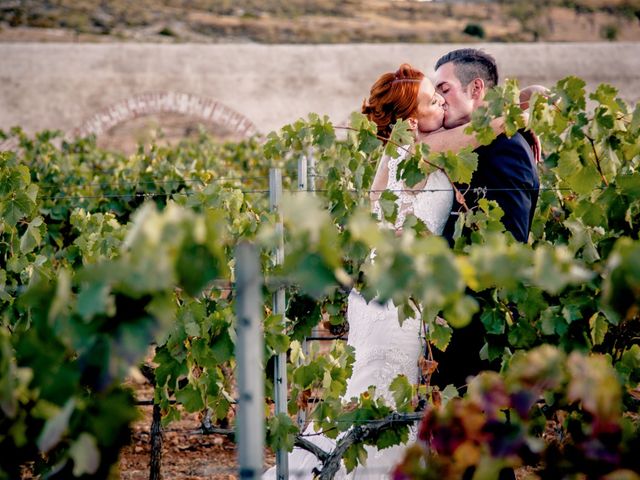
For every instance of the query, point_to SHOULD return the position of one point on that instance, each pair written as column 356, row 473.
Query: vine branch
column 359, row 433
column 597, row 160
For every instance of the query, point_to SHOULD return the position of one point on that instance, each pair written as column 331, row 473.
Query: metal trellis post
column 280, row 377
column 250, row 419
column 303, row 177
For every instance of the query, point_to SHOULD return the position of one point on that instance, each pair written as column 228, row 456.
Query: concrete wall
column 58, row 86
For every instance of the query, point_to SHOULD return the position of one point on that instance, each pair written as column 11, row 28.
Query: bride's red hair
column 393, row 97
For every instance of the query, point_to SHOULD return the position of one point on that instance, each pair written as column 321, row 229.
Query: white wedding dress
column 383, row 348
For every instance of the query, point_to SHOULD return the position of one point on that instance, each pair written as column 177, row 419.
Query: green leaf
column 570, row 94
column 606, row 95
column 355, row 455
column 522, row 334
column 580, row 174
column 410, row 171
column 459, row 314
column 280, row 432
column 493, row 321
column 389, row 206
column 222, row 347
column 14, row 179
column 94, row 299
column 196, row 267
column 314, row 276
column 323, row 133
column 401, row 134
column 599, row 327
column 480, row 125
column 459, row 166
column 391, row 437
column 16, row 207
column 593, row 383
column 368, row 141
column 190, row 398
column 32, row 236
column 85, row 454
column 629, row 365
column 402, row 393
column 55, row 428
column 306, row 375
column 440, row 334
column 450, row 392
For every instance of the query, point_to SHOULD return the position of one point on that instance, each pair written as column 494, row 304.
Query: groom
column 506, row 168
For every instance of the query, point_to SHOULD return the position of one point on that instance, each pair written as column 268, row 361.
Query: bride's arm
column 380, row 180
column 455, row 139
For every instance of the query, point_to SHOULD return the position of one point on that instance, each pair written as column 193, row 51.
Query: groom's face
column 459, row 102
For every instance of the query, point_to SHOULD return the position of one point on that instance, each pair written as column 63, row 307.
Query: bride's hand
column 531, row 138
column 527, row 92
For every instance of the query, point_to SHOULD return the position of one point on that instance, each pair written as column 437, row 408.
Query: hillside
column 318, row 21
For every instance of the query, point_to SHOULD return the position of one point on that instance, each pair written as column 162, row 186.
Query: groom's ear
column 477, row 89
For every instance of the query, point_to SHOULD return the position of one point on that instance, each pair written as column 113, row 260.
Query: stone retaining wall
column 62, row 86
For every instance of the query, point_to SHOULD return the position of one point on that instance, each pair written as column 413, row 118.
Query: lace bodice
column 431, row 204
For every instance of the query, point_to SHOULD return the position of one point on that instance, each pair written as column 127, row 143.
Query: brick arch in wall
column 200, row 108
column 194, row 106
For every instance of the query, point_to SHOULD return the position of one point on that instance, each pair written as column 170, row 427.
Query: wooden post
column 155, row 464
column 250, row 348
column 280, row 377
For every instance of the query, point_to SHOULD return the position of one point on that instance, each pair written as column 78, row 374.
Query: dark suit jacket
column 508, row 166
column 507, row 169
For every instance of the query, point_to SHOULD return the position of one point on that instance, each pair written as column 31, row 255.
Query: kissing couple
column 437, row 111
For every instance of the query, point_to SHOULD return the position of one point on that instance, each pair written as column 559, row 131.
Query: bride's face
column 430, row 113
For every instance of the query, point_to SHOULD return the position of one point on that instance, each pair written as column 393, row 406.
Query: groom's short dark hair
column 471, row 63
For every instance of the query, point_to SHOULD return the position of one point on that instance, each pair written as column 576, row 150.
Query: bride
column 383, row 348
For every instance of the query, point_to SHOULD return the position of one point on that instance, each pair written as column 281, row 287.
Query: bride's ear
column 413, row 123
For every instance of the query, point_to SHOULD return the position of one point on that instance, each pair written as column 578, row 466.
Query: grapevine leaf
column 402, row 393
column 55, row 428
column 493, row 321
column 94, row 298
column 409, row 170
column 190, row 398
column 391, row 437
column 354, row 455
column 459, row 313
column 32, row 236
column 598, row 326
column 280, row 432
column 196, row 267
column 459, row 166
column 16, row 207
column 85, row 454
column 593, row 383
column 440, row 334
